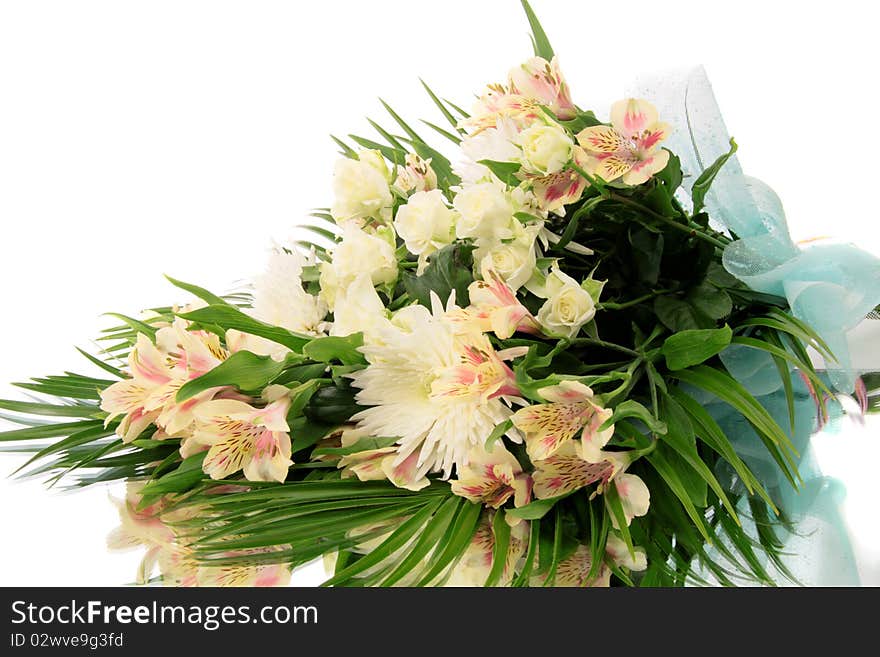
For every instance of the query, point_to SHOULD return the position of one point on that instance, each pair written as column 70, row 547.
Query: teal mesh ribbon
column 831, row 287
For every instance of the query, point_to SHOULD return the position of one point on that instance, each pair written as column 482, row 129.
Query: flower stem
column 607, row 345
column 632, row 302
column 692, row 229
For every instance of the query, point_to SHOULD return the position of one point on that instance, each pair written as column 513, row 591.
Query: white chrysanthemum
column 281, row 300
column 437, row 391
column 497, row 144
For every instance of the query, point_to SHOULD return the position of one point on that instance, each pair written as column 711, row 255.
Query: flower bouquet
column 573, row 353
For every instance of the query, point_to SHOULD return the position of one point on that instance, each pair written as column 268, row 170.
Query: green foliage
column 448, row 269
column 244, row 370
column 540, row 42
column 693, row 347
column 704, row 180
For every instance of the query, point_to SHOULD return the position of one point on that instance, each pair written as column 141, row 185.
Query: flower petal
column 632, row 116
column 601, row 139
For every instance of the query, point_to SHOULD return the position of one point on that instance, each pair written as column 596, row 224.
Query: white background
column 141, row 138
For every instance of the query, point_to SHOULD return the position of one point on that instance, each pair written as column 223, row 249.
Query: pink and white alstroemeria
column 570, row 410
column 480, row 374
column 574, row 571
column 562, row 188
column 492, row 478
column 499, row 104
column 542, row 81
column 635, row 498
column 629, row 146
column 241, row 437
column 378, row 464
column 264, row 575
column 566, row 471
column 495, row 308
column 158, row 371
column 619, row 553
column 476, row 562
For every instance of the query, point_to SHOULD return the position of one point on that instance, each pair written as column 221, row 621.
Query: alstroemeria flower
column 566, row 471
column 574, row 571
column 378, row 464
column 629, row 146
column 616, row 549
column 475, row 564
column 263, row 575
column 495, row 308
column 241, row 437
column 499, row 104
column 556, row 190
column 416, row 175
column 480, row 374
column 635, row 498
column 570, row 410
column 157, row 372
column 492, row 478
column 542, row 81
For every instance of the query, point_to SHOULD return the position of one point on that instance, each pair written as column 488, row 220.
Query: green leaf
column 614, row 505
column 334, row 348
column 678, row 315
column 199, row 292
column 364, row 444
column 540, row 42
column 449, row 269
column 455, row 541
column 536, row 509
column 693, row 347
column 682, row 439
column 137, row 326
column 107, row 367
column 444, row 133
column 49, row 430
column 671, row 476
column 501, row 533
column 710, row 301
column 347, row 150
column 671, row 176
column 498, row 432
column 504, row 171
column 708, row 431
column 704, row 181
column 55, row 410
column 522, row 579
column 632, row 408
column 555, row 550
column 647, row 253
column 442, row 107
column 228, row 317
column 187, row 475
column 428, row 541
column 243, row 369
column 396, row 155
column 731, row 391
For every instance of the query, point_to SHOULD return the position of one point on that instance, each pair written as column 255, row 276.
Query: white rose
column 514, row 261
column 486, row 212
column 358, row 253
column 425, row 223
column 568, row 306
column 545, row 149
column 360, row 188
column 359, row 310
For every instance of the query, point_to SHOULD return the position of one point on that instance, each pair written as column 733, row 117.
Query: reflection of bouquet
column 538, row 365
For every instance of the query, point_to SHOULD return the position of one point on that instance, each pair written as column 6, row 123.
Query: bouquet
column 574, row 353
